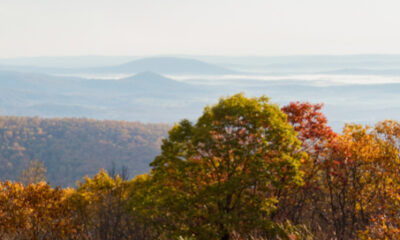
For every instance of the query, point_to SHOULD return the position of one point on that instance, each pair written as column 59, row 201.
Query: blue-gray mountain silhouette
column 165, row 65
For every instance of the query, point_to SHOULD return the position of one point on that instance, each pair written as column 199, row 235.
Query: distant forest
column 72, row 148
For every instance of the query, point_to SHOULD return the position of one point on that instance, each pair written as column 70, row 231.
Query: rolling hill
column 72, row 148
column 137, row 98
column 164, row 65
column 161, row 65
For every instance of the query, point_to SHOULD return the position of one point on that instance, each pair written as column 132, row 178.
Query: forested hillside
column 71, row 148
column 246, row 169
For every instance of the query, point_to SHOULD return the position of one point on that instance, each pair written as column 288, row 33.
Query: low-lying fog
column 309, row 79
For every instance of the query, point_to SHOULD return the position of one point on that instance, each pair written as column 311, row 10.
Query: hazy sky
column 206, row 27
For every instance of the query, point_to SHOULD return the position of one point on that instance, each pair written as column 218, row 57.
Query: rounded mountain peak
column 151, row 79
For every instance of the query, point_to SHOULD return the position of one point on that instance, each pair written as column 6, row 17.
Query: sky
column 31, row 28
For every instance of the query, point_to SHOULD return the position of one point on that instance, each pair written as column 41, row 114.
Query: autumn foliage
column 246, row 169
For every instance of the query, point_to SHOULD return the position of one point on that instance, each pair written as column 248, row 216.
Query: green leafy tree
column 222, row 177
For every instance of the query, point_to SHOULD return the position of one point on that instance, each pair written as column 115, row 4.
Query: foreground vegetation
column 245, row 170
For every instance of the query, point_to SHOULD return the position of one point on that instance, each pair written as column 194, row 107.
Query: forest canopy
column 246, row 169
column 71, row 148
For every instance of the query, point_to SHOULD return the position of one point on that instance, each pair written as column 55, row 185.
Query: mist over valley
column 168, row 89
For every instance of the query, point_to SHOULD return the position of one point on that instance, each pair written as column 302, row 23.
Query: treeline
column 246, row 169
column 72, row 148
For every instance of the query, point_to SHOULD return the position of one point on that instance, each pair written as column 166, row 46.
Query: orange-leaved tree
column 301, row 204
column 35, row 212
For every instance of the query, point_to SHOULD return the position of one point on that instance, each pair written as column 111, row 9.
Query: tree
column 303, row 204
column 385, row 187
column 310, row 123
column 35, row 173
column 36, row 212
column 101, row 202
column 224, row 174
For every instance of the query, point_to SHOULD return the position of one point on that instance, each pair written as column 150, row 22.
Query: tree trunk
column 226, row 236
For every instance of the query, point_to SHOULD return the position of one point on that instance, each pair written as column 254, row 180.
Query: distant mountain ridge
column 142, row 80
column 165, row 65
column 161, row 65
column 149, row 83
column 152, row 79
column 139, row 97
